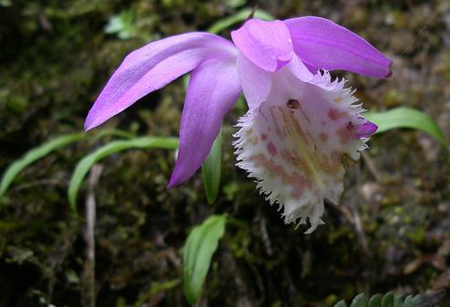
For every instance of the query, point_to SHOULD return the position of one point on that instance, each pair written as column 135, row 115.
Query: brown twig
column 353, row 217
column 89, row 293
column 43, row 182
column 371, row 166
column 265, row 236
column 254, row 7
column 360, row 232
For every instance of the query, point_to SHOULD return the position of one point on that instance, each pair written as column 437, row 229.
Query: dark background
column 390, row 232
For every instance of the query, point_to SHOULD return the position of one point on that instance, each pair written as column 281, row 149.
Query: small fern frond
column 378, row 300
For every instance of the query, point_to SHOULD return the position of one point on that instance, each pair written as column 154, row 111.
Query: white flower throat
column 294, row 144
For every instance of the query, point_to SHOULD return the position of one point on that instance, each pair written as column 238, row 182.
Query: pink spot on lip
column 345, row 134
column 271, row 148
column 264, row 136
column 323, row 136
column 335, row 114
column 295, row 180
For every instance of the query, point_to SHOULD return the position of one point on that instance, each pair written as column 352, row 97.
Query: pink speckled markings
column 294, row 143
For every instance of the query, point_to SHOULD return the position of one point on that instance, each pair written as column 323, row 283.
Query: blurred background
column 390, row 232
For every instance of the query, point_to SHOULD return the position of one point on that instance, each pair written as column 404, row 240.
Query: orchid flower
column 300, row 126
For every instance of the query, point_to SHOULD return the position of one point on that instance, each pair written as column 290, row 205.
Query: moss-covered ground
column 390, row 232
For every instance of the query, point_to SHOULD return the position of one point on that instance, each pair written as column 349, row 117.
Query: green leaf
column 388, row 300
column 375, row 301
column 240, row 16
column 34, row 155
column 408, row 301
column 413, row 301
column 200, row 246
column 341, row 304
column 155, row 288
column 359, row 301
column 212, row 169
column 87, row 162
column 398, row 300
column 241, row 105
column 113, row 132
column 406, row 118
column 123, row 24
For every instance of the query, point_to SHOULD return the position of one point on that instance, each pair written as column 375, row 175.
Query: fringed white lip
column 295, row 142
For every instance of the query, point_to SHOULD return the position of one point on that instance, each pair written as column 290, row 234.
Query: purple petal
column 366, row 130
column 256, row 83
column 266, row 43
column 321, row 43
column 300, row 70
column 153, row 67
column 213, row 88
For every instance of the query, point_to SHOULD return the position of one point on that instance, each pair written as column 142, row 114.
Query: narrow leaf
column 408, row 301
column 415, row 301
column 200, row 246
column 34, row 155
column 359, row 301
column 240, row 16
column 341, row 304
column 212, row 170
column 398, row 300
column 375, row 301
column 388, row 300
column 113, row 132
column 406, row 118
column 87, row 162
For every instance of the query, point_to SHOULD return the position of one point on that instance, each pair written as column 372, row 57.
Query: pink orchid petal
column 366, row 130
column 321, row 43
column 153, row 67
column 266, row 43
column 300, row 70
column 256, row 83
column 213, row 89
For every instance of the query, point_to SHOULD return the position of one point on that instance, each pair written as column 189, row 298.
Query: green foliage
column 112, row 132
column 240, row 16
column 377, row 300
column 134, row 22
column 406, row 118
column 212, row 170
column 155, row 288
column 35, row 154
column 71, row 9
column 123, row 24
column 200, row 246
column 5, row 3
column 87, row 162
column 47, row 148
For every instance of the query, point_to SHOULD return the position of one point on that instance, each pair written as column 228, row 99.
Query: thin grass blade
column 87, row 162
column 406, row 118
column 35, row 154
